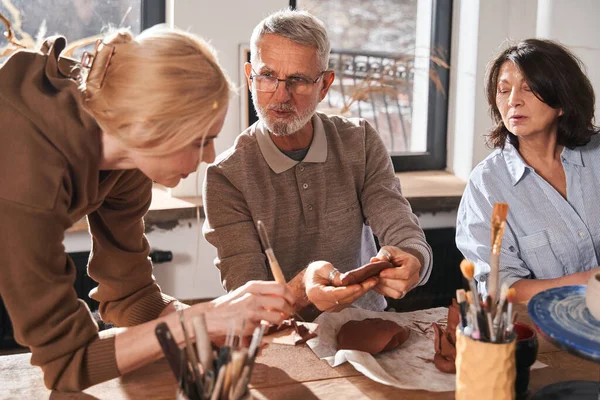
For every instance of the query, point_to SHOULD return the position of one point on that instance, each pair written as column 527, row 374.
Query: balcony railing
column 375, row 86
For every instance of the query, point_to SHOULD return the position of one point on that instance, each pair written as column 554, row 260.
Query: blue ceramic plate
column 562, row 317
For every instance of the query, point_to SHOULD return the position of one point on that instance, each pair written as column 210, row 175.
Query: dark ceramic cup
column 526, row 354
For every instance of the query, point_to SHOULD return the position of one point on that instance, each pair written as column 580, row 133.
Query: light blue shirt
column 546, row 236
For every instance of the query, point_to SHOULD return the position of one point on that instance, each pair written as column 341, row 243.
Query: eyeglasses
column 294, row 84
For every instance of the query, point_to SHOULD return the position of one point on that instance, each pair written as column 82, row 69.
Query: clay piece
column 297, row 332
column 372, row 335
column 363, row 273
column 445, row 341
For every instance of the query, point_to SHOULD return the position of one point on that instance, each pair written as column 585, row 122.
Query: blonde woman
column 88, row 139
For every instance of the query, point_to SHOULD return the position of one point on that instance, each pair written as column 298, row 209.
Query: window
column 391, row 59
column 34, row 20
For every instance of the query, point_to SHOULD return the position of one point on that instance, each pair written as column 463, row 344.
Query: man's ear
column 248, row 71
column 328, row 78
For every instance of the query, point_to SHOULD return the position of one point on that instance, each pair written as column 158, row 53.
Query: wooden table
column 281, row 372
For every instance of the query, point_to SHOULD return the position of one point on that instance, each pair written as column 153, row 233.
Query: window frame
column 153, row 12
column 434, row 157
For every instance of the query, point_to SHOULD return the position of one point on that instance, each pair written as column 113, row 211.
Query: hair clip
column 97, row 64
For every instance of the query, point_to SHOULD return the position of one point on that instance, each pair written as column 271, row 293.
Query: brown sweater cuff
column 148, row 307
column 100, row 359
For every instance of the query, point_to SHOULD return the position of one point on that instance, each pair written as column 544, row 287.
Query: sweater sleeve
column 127, row 291
column 230, row 228
column 36, row 284
column 386, row 210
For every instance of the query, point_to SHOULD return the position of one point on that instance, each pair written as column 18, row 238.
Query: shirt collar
column 278, row 161
column 514, row 162
column 517, row 166
column 572, row 156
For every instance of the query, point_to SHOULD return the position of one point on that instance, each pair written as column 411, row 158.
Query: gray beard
column 282, row 127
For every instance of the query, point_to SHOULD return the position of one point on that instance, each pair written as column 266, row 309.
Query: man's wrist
column 298, row 287
column 418, row 255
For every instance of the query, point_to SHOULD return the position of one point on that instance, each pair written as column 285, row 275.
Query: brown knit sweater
column 50, row 179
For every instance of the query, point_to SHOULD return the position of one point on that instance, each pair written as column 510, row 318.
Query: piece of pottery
column 592, row 296
column 372, row 335
column 445, row 341
column 363, row 273
column 561, row 316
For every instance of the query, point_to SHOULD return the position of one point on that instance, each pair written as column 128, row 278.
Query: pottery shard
column 301, row 333
column 445, row 341
column 363, row 273
column 372, row 335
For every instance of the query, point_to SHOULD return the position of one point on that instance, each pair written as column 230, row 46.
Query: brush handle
column 463, row 313
column 475, row 293
column 492, row 281
column 275, row 268
column 498, row 314
column 170, row 349
column 203, row 344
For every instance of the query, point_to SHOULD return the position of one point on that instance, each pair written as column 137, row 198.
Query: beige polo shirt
column 325, row 207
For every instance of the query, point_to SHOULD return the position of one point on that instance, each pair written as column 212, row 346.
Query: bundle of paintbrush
column 207, row 371
column 485, row 320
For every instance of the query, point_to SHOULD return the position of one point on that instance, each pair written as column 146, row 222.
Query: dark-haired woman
column 546, row 167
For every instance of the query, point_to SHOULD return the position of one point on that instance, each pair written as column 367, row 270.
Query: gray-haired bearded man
column 321, row 184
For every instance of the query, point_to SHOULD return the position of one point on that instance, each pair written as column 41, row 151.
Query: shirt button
column 582, row 233
column 302, row 168
column 310, row 207
column 305, row 185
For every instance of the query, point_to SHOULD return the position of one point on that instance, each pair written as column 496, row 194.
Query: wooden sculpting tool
column 203, row 345
column 190, row 353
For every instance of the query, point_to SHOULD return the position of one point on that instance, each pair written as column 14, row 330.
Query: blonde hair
column 159, row 92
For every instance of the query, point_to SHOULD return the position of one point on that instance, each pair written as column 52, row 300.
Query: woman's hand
column 254, row 302
column 324, row 290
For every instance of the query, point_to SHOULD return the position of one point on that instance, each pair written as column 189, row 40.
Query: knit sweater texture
column 326, row 207
column 51, row 179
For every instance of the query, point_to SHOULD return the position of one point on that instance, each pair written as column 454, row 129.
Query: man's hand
column 326, row 293
column 396, row 282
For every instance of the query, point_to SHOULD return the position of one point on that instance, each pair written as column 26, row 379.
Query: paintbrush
column 489, row 308
column 500, row 306
column 203, row 345
column 244, row 379
column 461, row 299
column 468, row 271
column 273, row 263
column 499, row 215
column 510, row 298
column 475, row 333
column 190, row 353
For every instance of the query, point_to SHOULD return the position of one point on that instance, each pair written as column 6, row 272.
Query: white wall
column 480, row 29
column 574, row 23
column 226, row 24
